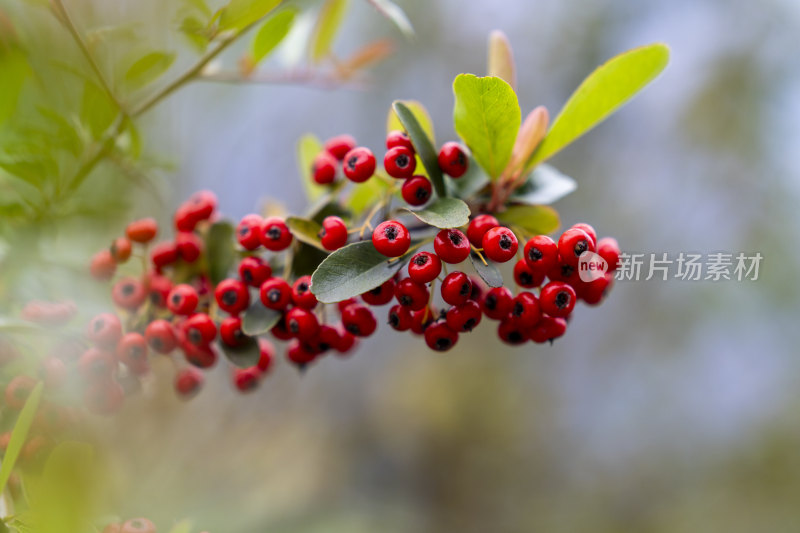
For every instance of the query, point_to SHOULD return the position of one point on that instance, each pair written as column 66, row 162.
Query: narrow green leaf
column 148, row 68
column 219, row 250
column 501, row 58
column 19, row 435
column 545, row 185
column 239, row 14
column 271, row 33
column 487, row 118
column 330, row 18
column 307, row 149
column 444, row 213
column 351, row 271
column 258, row 319
column 393, row 12
column 305, row 230
column 97, row 109
column 423, row 144
column 420, row 113
column 245, row 355
column 488, row 272
column 533, row 219
column 603, row 92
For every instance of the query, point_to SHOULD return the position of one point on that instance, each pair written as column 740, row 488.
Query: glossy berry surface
column 451, row 245
column 333, row 234
column 453, row 159
column 183, row 299
column 359, row 164
column 500, row 244
column 424, row 267
column 275, row 234
column 232, row 296
column 391, row 238
column 417, row 190
column 399, row 162
column 456, row 288
column 557, row 299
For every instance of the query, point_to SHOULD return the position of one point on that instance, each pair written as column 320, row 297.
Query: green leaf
column 423, row 144
column 258, row 319
column 420, row 113
column 350, row 271
column 219, row 250
column 307, row 149
column 97, row 109
column 487, row 118
column 239, row 14
column 393, row 12
column 271, row 33
column 305, row 230
column 15, row 70
column 330, row 18
column 243, row 356
column 19, row 435
column 488, row 272
column 545, row 185
column 148, row 68
column 533, row 219
column 501, row 58
column 602, row 93
column 306, row 260
column 444, row 213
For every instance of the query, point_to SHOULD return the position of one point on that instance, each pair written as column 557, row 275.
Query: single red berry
column 380, row 295
column 189, row 246
column 541, row 254
column 411, row 294
column 202, row 204
column 594, row 291
column 188, row 382
column 456, row 288
column 398, row 138
column 254, row 271
column 230, row 332
column 339, row 146
column 478, row 227
column 557, row 299
column 347, row 341
column 129, row 293
column 142, row 231
column 160, row 336
column 276, row 293
column 451, row 245
column 199, row 329
column 266, row 355
column 417, row 190
column 121, row 249
column 302, row 295
column 564, row 272
column 102, row 266
column 500, row 244
column 525, row 277
column 439, row 337
column 548, row 329
column 344, row 303
column 512, row 332
column 464, row 317
column 182, row 299
column 300, row 354
column 496, row 304
column 453, row 159
column 18, row 390
column 359, row 164
column 420, row 320
column 424, row 267
column 275, row 235
column 326, row 338
column 525, row 309
column 608, row 249
column 104, row 398
column 302, row 323
column 158, row 287
column 572, row 244
column 199, row 356
column 96, row 364
column 232, row 296
column 589, row 231
column 280, row 331
column 185, row 218
column 333, row 234
column 104, row 330
column 400, row 162
column 164, row 254
column 132, row 352
column 246, row 379
column 248, row 232
column 391, row 238
column 400, row 317
column 323, row 169
column 359, row 320
column 138, row 525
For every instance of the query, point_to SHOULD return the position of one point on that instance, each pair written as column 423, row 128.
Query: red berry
column 333, row 234
column 254, row 271
column 323, row 169
column 104, row 398
column 440, row 337
column 541, row 254
column 142, row 231
column 53, row 372
column 400, row 162
column 120, row 249
column 347, row 341
column 248, row 232
column 478, row 227
column 189, row 246
column 547, row 329
column 327, row 337
column 511, row 332
column 246, row 379
column 300, row 354
column 456, row 288
column 185, row 218
column 302, row 295
column 160, row 336
column 500, row 244
column 199, row 356
column 339, row 146
column 496, row 304
column 589, row 231
column 391, row 238
column 557, row 299
column 400, row 318
column 275, row 235
column 302, row 323
column 464, row 317
column 202, row 204
column 18, row 390
column 96, row 364
column 564, row 272
column 230, row 332
column 572, row 244
column 232, row 296
column 182, row 299
column 411, row 294
column 164, row 254
column 276, row 293
column 398, row 138
column 138, row 525
column 129, row 293
column 188, row 382
column 359, row 164
column 424, row 267
column 358, row 320
column 417, row 190
column 420, row 320
column 266, row 355
column 102, row 266
column 451, row 245
column 525, row 277
column 344, row 303
column 594, row 291
column 380, row 295
column 453, row 159
column 608, row 249
column 104, row 330
column 132, row 352
column 199, row 329
column 279, row 330
column 159, row 288
column 525, row 309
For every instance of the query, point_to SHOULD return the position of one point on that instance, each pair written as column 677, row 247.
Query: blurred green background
column 671, row 408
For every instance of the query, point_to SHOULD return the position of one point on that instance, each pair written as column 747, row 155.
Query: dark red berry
column 248, row 232
column 572, row 244
column 164, row 254
column 541, row 254
column 411, row 294
column 299, row 353
column 512, row 332
column 453, row 159
column 500, row 244
column 347, row 341
column 417, row 190
column 420, row 320
column 344, row 303
column 230, row 332
column 302, row 295
column 424, row 267
column 456, row 288
column 160, row 336
column 199, row 356
column 557, row 299
column 279, row 330
column 199, row 329
column 594, row 291
column 359, row 320
column 276, row 293
column 254, row 271
column 129, row 293
column 339, row 146
column 525, row 277
column 525, row 309
column 275, row 235
column 132, row 352
column 608, row 249
column 451, row 245
column 398, row 138
column 182, row 299
column 323, row 169
column 400, row 162
column 548, row 329
column 302, row 323
column 391, row 238
column 589, row 231
column 105, row 330
column 359, row 164
column 440, row 337
column 232, row 296
column 188, row 382
column 333, row 234
column 120, row 249
column 246, row 379
column 327, row 338
column 102, row 266
column 142, row 231
column 380, row 295
column 189, row 246
column 159, row 288
column 400, row 317
column 478, row 227
column 496, row 304
column 464, row 317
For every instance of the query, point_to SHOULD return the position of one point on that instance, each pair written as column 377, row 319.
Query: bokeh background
column 674, row 407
